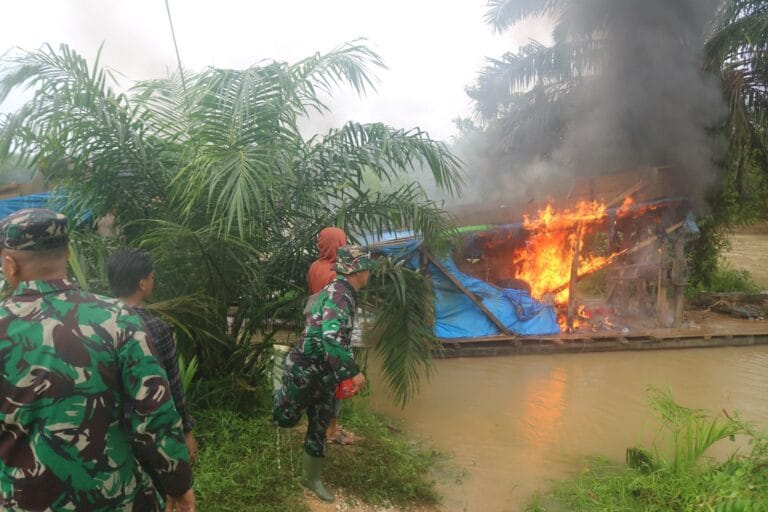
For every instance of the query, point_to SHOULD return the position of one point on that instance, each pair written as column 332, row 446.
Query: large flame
column 546, row 259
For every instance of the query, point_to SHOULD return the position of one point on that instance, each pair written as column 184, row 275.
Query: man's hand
column 358, row 381
column 183, row 503
column 189, row 439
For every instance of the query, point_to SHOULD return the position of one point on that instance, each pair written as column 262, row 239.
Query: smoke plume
column 648, row 103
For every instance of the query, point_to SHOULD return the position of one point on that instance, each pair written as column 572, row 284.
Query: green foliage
column 675, row 478
column 187, row 373
column 214, row 178
column 691, row 432
column 725, row 279
column 383, row 468
column 244, row 465
column 236, row 467
column 708, row 272
column 88, row 254
column 403, row 329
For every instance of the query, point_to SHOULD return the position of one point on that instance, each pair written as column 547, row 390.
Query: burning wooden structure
column 629, row 226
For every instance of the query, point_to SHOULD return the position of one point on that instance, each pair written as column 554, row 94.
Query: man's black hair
column 125, row 268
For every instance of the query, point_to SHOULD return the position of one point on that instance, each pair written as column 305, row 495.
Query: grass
column 674, row 478
column 727, row 279
column 240, row 466
column 384, row 468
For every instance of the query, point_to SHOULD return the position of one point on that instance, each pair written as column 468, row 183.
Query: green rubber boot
column 310, row 478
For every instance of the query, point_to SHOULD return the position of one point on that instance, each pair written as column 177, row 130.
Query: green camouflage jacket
column 328, row 329
column 69, row 361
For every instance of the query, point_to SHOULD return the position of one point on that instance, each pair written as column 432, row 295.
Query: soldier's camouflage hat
column 33, row 229
column 353, row 258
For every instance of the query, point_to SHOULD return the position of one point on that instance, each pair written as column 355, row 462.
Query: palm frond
column 217, row 182
column 692, row 431
column 502, row 14
column 385, row 151
column 402, row 334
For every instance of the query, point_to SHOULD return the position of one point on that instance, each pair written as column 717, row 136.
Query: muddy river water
column 512, row 424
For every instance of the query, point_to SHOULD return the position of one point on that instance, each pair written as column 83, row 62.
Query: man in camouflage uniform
column 322, row 359
column 69, row 361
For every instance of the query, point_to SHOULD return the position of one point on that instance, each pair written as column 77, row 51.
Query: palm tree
column 213, row 175
column 737, row 51
column 609, row 68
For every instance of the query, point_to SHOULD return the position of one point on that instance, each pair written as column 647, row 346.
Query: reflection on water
column 544, row 404
column 514, row 423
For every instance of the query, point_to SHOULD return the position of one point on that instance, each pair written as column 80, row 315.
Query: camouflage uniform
column 322, row 358
column 69, row 361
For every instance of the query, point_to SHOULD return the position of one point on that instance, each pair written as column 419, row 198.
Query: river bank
column 515, row 424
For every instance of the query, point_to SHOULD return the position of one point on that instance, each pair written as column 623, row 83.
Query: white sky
column 433, row 48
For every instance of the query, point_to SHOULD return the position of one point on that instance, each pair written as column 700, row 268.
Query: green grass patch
column 726, row 279
column 736, row 486
column 673, row 478
column 237, row 466
column 384, row 468
column 241, row 467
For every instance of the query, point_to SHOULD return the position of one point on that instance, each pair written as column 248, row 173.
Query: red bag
column 345, row 389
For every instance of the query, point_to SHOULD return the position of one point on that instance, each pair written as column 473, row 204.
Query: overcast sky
column 433, row 48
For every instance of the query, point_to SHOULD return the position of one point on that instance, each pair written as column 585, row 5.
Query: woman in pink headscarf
column 321, row 272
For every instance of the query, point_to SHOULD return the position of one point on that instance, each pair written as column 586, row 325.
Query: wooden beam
column 640, row 245
column 631, row 190
column 468, row 293
column 571, row 314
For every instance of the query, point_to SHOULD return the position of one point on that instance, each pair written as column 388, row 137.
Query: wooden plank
column 655, row 343
column 465, row 291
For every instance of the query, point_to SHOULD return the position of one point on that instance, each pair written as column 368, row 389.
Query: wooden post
column 624, row 293
column 642, row 295
column 465, row 291
column 678, row 280
column 662, row 308
column 574, row 279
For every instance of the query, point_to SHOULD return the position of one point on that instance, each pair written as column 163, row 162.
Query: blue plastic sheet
column 457, row 316
column 14, row 204
column 48, row 200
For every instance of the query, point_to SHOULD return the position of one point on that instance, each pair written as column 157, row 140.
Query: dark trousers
column 307, row 387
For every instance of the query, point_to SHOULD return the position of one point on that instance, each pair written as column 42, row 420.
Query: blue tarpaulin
column 457, row 316
column 48, row 200
column 14, row 204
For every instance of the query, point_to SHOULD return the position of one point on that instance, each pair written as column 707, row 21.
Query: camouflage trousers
column 307, row 386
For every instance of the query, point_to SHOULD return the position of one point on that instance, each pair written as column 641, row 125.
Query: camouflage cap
column 353, row 258
column 33, row 229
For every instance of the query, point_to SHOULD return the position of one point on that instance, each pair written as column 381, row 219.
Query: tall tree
column 737, row 51
column 214, row 176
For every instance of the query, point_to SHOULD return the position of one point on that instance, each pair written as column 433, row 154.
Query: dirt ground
column 749, row 251
column 348, row 504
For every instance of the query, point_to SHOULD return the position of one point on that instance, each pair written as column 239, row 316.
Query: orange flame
column 546, row 259
column 626, row 207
